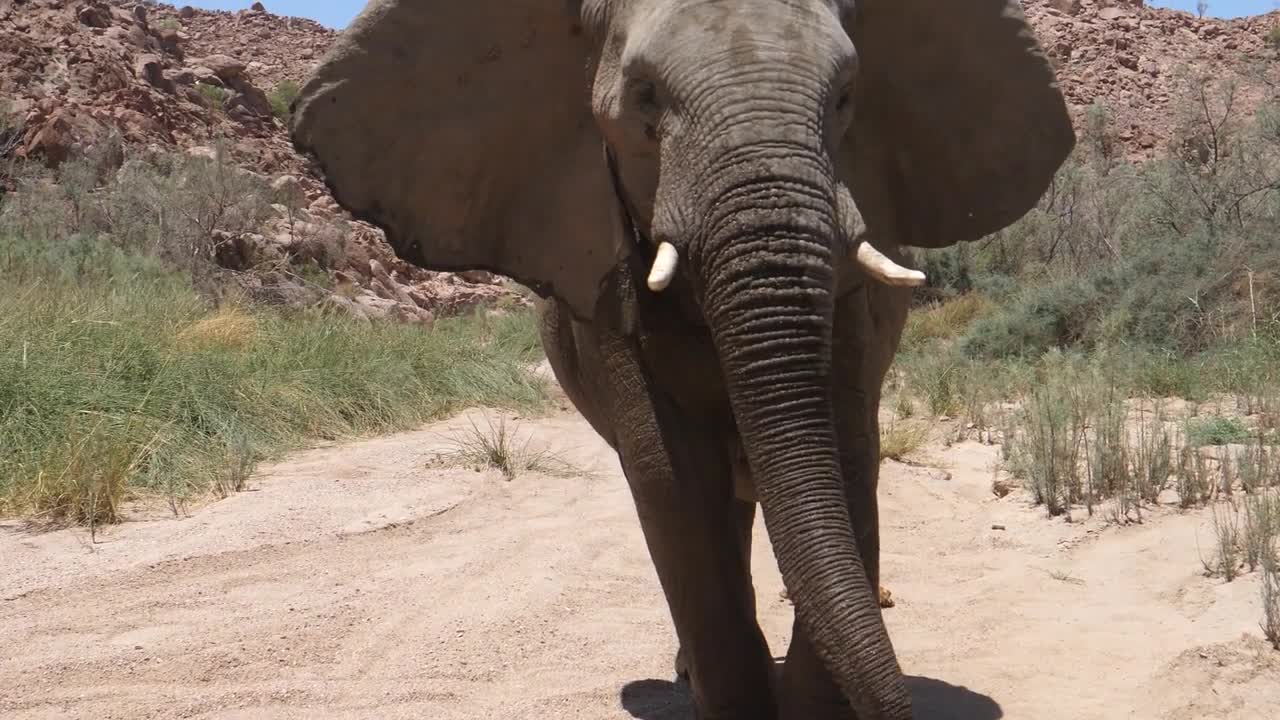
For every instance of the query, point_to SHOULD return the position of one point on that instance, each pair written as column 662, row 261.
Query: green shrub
column 1157, row 255
column 1215, row 431
column 1035, row 321
column 942, row 321
column 282, row 97
column 1162, row 373
column 214, row 96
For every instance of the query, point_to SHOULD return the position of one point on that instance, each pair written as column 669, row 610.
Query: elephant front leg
column 680, row 481
column 692, row 535
column 744, row 515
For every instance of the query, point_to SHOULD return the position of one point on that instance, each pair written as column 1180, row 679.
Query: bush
column 214, row 96
column 1045, row 441
column 1162, row 373
column 1173, row 255
column 1215, row 431
column 1037, row 320
column 177, row 209
column 943, row 321
column 282, row 97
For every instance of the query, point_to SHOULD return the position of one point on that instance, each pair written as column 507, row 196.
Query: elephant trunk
column 767, row 269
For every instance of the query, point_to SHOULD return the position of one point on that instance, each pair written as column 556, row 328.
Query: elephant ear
column 959, row 122
column 464, row 131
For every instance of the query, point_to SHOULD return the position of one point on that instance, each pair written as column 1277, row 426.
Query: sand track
column 361, row 581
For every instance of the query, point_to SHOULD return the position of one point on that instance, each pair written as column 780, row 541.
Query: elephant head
column 736, row 152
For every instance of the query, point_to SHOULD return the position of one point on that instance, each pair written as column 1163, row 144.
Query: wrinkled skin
column 764, row 140
column 659, row 398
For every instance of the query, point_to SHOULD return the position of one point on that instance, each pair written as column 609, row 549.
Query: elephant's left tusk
column 664, row 267
column 886, row 270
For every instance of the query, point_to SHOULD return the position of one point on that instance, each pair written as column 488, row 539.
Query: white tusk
column 886, row 270
column 664, row 267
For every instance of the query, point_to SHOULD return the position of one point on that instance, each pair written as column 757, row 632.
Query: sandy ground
column 366, row 581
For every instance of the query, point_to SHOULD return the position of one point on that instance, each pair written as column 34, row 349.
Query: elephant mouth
column 664, row 257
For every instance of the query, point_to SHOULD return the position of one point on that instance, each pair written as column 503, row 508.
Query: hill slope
column 78, row 78
column 74, row 75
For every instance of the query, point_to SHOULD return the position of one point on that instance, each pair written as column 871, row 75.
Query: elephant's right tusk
column 664, row 267
column 886, row 270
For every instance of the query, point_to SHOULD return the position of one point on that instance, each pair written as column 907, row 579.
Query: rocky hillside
column 1128, row 57
column 75, row 73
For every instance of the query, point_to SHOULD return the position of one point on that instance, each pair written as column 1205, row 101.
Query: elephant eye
column 643, row 100
column 842, row 102
column 644, row 95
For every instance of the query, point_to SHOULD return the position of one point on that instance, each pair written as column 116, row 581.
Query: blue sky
column 334, row 13
column 1224, row 8
column 337, row 13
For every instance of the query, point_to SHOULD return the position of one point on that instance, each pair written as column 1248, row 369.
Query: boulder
column 225, row 67
column 51, row 140
column 151, row 70
column 94, row 16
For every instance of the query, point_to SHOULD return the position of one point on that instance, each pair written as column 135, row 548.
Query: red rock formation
column 74, row 71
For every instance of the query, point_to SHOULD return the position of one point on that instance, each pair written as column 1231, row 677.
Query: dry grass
column 116, row 389
column 1246, row 531
column 88, row 483
column 944, row 321
column 498, row 446
column 1225, row 560
column 229, row 328
column 1261, row 528
column 120, row 374
column 1271, row 603
column 902, row 438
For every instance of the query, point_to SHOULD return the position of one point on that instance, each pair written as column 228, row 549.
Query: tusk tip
column 659, row 284
column 913, row 278
column 885, row 270
column 664, row 267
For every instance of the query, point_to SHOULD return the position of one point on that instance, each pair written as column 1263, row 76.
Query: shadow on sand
column 932, row 700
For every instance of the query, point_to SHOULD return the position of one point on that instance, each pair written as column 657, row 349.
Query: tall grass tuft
column 1050, row 438
column 499, row 447
column 119, row 385
column 1261, row 528
column 1271, row 602
column 1226, row 550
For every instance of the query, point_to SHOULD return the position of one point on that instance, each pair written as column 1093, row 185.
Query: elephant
column 715, row 202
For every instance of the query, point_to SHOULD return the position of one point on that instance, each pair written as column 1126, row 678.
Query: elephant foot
column 682, row 665
column 886, row 597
